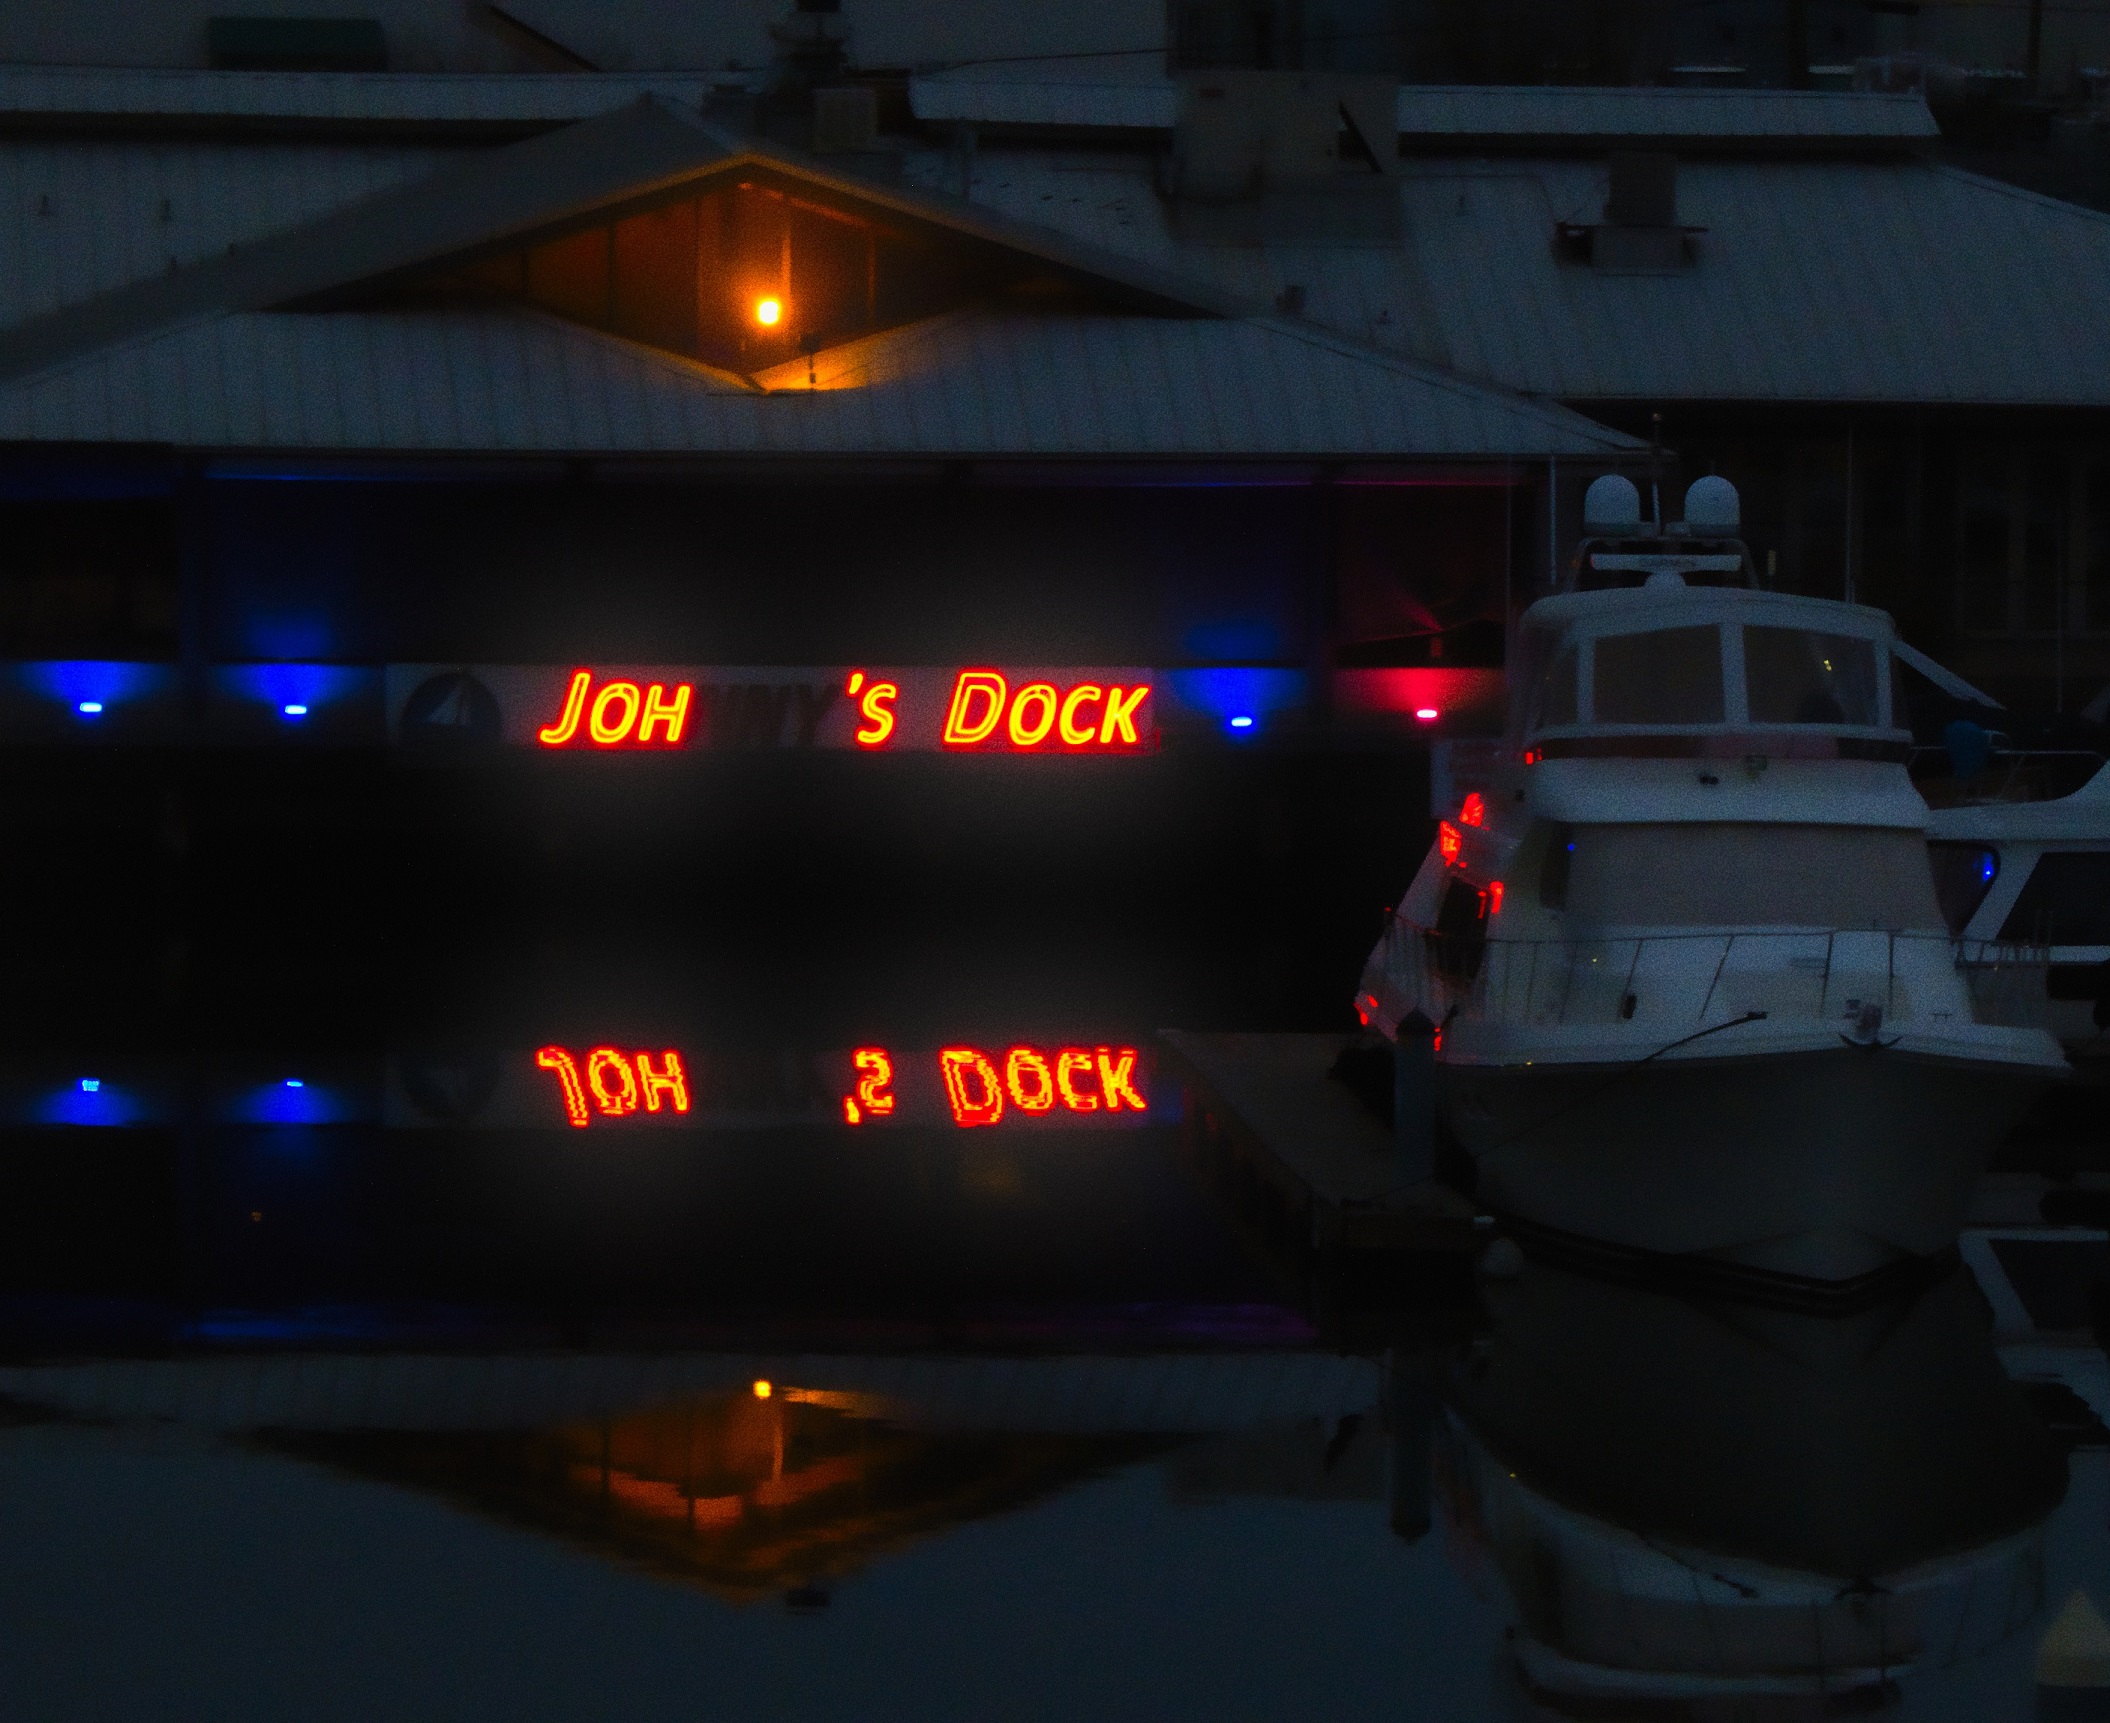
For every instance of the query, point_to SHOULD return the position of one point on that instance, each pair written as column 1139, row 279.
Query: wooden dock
column 1323, row 1163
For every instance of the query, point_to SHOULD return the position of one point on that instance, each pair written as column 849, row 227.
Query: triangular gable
column 615, row 175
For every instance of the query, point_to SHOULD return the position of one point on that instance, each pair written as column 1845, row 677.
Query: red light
column 1532, row 756
column 1474, row 812
column 1426, row 714
column 669, row 1082
column 1448, row 842
column 1117, row 1069
column 1494, row 898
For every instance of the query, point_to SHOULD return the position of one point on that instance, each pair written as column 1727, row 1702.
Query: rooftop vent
column 296, row 45
column 1640, row 233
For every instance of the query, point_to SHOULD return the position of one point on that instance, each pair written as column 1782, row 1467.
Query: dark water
column 342, row 1375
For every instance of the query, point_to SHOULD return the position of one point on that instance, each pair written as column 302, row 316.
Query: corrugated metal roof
column 1083, row 95
column 1877, row 281
column 1559, row 111
column 979, row 385
column 81, row 218
column 544, row 98
column 1087, row 95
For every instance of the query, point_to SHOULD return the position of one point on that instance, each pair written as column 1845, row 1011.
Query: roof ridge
column 2022, row 193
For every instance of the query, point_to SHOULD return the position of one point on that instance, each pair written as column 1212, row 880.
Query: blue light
column 295, row 690
column 1242, row 722
column 92, row 685
column 295, row 711
column 295, row 1083
column 89, row 707
column 1988, row 867
column 89, row 1085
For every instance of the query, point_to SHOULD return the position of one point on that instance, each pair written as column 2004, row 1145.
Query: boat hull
column 1824, row 1163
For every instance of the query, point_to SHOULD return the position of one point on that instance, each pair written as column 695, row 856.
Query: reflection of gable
column 746, row 1497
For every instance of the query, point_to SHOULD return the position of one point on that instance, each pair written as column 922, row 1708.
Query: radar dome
column 1611, row 505
column 1711, row 505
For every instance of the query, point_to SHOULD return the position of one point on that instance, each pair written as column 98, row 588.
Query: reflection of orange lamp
column 769, row 312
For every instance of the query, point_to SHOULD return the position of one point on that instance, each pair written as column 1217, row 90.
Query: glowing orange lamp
column 769, row 312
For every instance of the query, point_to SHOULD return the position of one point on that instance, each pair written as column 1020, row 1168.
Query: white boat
column 1695, row 1515
column 2038, row 872
column 1682, row 959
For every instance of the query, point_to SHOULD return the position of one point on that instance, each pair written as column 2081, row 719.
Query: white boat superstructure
column 2038, row 872
column 1683, row 960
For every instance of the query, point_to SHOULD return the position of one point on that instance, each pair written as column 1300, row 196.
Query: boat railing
column 2005, row 775
column 1859, row 977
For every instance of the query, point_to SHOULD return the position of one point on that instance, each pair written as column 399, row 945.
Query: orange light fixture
column 769, row 312
column 763, row 1389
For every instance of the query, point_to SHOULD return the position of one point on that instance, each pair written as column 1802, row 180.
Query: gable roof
column 291, row 343
column 970, row 385
column 541, row 188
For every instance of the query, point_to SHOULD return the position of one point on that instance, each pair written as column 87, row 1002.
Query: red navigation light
column 1448, row 842
column 1494, row 898
column 1474, row 812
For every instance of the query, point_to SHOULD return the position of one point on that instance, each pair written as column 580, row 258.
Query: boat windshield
column 1799, row 676
column 1666, row 676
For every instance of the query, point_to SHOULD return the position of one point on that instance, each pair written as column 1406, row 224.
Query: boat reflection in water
column 1706, row 1511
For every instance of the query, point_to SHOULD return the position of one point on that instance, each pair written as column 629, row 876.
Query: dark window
column 88, row 579
column 1460, row 934
column 1963, row 874
column 1667, row 676
column 1796, row 676
column 1556, row 695
column 2065, row 901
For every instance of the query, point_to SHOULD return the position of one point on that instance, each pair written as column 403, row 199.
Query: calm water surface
column 344, row 1373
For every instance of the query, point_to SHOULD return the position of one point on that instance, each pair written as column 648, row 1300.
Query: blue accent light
column 295, row 1083
column 292, row 690
column 92, row 686
column 1240, row 697
column 1988, row 867
column 89, row 1101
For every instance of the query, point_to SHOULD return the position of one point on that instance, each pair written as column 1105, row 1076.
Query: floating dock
column 1322, row 1166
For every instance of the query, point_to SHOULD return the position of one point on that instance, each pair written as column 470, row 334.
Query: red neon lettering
column 877, row 710
column 670, row 715
column 875, row 1081
column 1031, row 735
column 983, row 1104
column 1084, row 694
column 614, row 1101
column 1068, row 1063
column 1474, row 812
column 670, row 1080
column 1448, row 842
column 597, row 725
column 1120, row 718
column 1494, row 898
column 1030, row 1082
column 963, row 730
column 567, row 724
column 557, row 1060
column 1117, row 1066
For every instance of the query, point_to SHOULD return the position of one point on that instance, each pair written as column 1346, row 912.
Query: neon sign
column 661, row 708
column 962, row 1085
column 618, row 1083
